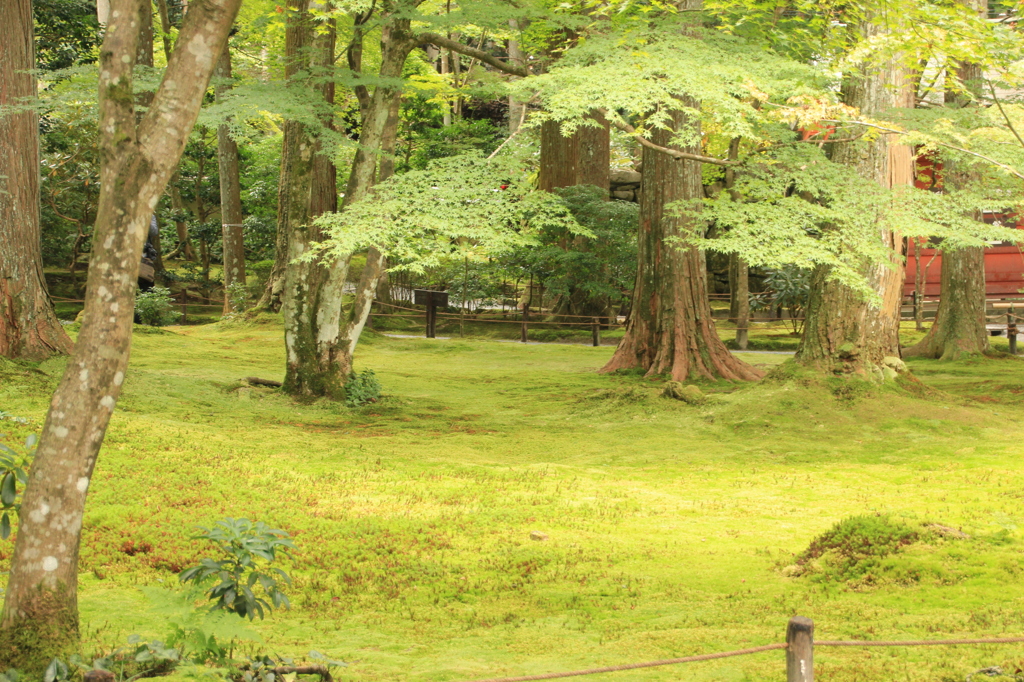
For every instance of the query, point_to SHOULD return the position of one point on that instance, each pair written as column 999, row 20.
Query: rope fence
column 799, row 646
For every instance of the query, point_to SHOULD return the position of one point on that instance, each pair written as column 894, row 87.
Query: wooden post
column 431, row 319
column 1011, row 331
column 595, row 331
column 526, row 321
column 800, row 650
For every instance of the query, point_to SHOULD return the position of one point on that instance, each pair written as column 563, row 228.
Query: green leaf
column 8, row 489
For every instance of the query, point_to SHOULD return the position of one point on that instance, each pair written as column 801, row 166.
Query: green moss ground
column 669, row 525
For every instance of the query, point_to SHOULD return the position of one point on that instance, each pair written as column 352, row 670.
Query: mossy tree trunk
column 670, row 329
column 311, row 298
column 843, row 332
column 40, row 613
column 29, row 328
column 959, row 327
column 230, row 191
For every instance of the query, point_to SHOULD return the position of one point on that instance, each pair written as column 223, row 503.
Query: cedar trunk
column 843, row 332
column 959, row 327
column 29, row 328
column 40, row 614
column 581, row 158
column 739, row 298
column 670, row 328
column 230, row 192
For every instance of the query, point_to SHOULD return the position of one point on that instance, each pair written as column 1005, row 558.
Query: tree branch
column 1003, row 112
column 617, row 121
column 1009, row 169
column 455, row 46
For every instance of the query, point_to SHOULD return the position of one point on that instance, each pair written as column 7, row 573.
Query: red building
column 1004, row 262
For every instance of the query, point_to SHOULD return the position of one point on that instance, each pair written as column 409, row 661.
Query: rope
column 634, row 666
column 753, row 650
column 918, row 642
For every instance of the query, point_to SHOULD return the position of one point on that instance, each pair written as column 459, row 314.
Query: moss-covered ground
column 671, row 529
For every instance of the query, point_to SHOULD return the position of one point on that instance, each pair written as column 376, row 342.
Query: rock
column 895, row 363
column 80, row 316
column 538, row 536
column 889, row 374
column 688, row 394
column 625, row 177
column 99, row 676
column 947, row 532
column 623, row 194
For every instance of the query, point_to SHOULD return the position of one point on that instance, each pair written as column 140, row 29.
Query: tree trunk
column 739, row 298
column 582, row 158
column 396, row 43
column 29, row 328
column 670, row 328
column 843, row 333
column 516, row 109
column 312, row 294
column 184, row 248
column 959, row 327
column 230, row 192
column 40, row 614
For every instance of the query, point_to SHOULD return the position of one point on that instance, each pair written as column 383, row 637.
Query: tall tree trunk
column 230, row 191
column 739, row 272
column 844, row 333
column 312, row 294
column 739, row 299
column 40, row 613
column 670, row 328
column 959, row 327
column 397, row 41
column 516, row 109
column 582, row 158
column 28, row 326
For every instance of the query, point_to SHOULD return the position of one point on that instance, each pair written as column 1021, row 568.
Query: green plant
column 362, row 388
column 155, row 307
column 202, row 636
column 238, row 297
column 244, row 544
column 788, row 288
column 13, row 472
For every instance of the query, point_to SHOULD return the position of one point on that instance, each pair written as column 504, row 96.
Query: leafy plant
column 245, row 545
column 238, row 297
column 202, row 636
column 155, row 307
column 13, row 473
column 788, row 288
column 362, row 388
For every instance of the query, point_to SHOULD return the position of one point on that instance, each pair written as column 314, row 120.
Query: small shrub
column 238, row 297
column 362, row 388
column 155, row 307
column 244, row 546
